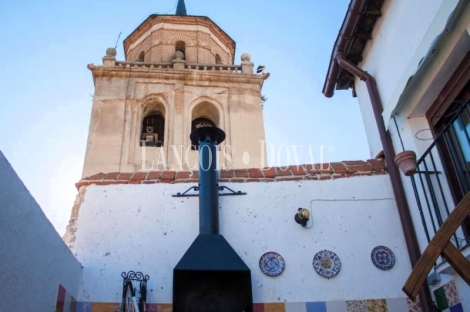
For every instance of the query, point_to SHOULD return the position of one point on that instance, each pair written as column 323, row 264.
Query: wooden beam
column 460, row 264
column 421, row 270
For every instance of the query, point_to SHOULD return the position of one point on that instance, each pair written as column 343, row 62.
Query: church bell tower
column 178, row 75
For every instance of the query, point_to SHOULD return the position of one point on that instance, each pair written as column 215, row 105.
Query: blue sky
column 47, row 89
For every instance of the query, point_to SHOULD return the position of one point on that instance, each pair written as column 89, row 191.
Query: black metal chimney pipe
column 208, row 138
column 211, row 276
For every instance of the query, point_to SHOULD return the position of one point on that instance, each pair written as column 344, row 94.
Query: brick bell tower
column 178, row 74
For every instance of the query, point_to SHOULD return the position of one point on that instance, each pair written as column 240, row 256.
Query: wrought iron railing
column 129, row 301
column 215, row 67
column 443, row 176
column 145, row 64
column 236, row 69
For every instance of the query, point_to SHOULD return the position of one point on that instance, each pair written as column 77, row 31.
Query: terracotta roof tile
column 139, row 176
column 326, row 171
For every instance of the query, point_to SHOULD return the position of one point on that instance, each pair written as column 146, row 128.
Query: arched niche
column 207, row 110
column 204, row 114
column 181, row 46
column 141, row 57
column 154, row 116
column 218, row 59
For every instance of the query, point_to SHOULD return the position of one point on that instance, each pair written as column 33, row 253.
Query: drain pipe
column 338, row 59
column 389, row 152
column 398, row 190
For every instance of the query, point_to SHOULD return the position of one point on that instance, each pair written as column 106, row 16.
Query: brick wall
column 326, row 171
column 159, row 47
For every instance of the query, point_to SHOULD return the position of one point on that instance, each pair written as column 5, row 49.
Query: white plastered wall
column 400, row 39
column 144, row 228
column 409, row 128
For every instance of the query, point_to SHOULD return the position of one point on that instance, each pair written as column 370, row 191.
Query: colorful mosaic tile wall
column 380, row 305
column 447, row 298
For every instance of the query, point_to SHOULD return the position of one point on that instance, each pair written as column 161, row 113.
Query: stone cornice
column 181, row 20
column 148, row 72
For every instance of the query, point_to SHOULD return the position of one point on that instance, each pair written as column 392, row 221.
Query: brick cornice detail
column 326, row 171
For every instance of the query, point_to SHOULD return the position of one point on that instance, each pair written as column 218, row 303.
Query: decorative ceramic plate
column 272, row 264
column 326, row 263
column 382, row 257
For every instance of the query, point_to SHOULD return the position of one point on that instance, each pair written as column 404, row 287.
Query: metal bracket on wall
column 221, row 188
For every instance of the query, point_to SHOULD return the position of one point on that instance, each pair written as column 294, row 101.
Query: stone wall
column 124, row 94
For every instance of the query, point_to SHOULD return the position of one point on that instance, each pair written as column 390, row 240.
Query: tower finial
column 181, row 8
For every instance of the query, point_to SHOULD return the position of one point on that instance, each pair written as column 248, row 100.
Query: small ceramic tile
column 258, row 307
column 151, row 307
column 413, row 306
column 397, row 305
column 441, row 299
column 378, row 305
column 296, row 307
column 316, row 306
column 452, row 295
column 163, row 307
column 336, row 306
column 275, row 307
column 105, row 307
column 456, row 308
column 83, row 307
column 356, row 306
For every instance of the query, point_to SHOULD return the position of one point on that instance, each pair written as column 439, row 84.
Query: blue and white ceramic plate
column 382, row 257
column 326, row 263
column 272, row 264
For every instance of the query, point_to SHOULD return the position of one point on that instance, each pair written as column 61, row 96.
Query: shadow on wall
column 35, row 260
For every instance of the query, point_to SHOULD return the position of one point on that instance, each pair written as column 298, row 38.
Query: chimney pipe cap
column 201, row 134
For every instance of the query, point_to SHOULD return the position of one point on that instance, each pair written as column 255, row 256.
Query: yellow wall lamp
column 302, row 216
